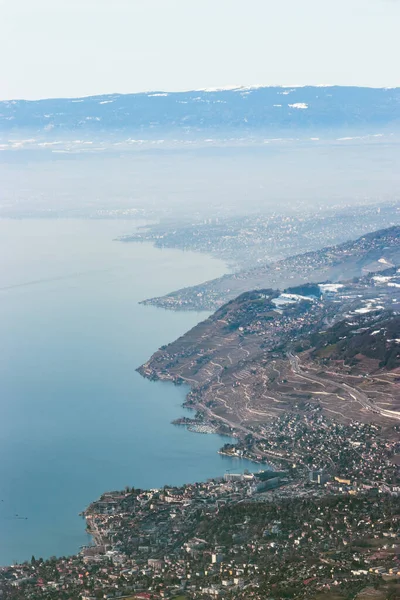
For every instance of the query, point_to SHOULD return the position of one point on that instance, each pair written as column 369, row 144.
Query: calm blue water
column 76, row 419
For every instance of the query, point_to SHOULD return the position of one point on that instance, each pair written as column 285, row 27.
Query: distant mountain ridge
column 243, row 108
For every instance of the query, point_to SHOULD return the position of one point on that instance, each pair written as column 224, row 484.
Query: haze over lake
column 76, row 419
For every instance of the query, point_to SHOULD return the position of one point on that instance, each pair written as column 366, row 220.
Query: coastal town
column 320, row 516
column 246, row 241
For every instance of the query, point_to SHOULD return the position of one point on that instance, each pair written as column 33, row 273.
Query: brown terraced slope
column 265, row 353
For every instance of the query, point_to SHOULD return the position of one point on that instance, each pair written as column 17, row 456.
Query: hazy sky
column 82, row 47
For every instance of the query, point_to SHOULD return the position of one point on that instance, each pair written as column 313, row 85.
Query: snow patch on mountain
column 299, row 105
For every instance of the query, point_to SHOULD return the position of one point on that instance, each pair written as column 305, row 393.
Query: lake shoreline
column 81, row 420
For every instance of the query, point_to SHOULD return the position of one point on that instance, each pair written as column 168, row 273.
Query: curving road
column 358, row 396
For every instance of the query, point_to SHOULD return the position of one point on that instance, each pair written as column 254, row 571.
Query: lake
column 76, row 419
